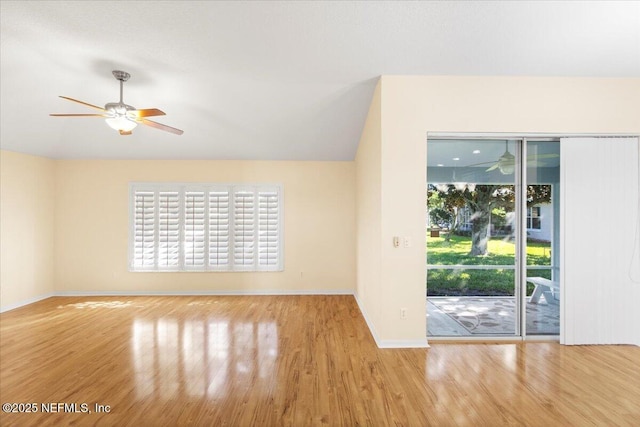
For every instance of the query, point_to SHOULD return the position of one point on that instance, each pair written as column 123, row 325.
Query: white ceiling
column 272, row 80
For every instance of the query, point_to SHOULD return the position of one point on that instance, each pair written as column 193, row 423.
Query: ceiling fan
column 506, row 163
column 120, row 116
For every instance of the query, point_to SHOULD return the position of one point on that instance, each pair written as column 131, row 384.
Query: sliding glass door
column 541, row 225
column 490, row 237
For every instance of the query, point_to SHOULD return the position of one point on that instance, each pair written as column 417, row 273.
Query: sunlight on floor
column 98, row 304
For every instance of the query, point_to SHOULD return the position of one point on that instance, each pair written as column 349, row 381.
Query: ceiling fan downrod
column 123, row 76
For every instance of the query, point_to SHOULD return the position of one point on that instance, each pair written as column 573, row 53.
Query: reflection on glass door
column 478, row 211
column 471, row 243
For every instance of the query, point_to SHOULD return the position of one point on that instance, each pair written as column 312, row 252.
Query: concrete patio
column 488, row 316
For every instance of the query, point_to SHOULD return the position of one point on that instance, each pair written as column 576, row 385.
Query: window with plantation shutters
column 205, row 227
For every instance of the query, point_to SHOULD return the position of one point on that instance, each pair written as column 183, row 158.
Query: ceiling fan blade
column 480, row 164
column 146, row 112
column 535, row 163
column 83, row 103
column 493, row 167
column 544, row 156
column 161, row 126
column 79, row 115
column 125, row 132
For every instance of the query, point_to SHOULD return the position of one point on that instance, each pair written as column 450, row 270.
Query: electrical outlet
column 407, row 242
column 403, row 313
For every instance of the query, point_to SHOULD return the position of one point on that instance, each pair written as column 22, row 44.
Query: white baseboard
column 199, row 293
column 26, row 302
column 388, row 343
column 367, row 321
column 404, row 344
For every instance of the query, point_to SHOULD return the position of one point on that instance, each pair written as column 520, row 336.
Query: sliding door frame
column 521, row 239
column 521, row 207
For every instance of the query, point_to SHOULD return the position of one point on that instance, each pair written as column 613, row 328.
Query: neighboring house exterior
column 540, row 222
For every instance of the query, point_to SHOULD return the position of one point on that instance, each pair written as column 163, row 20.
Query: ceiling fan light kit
column 507, row 163
column 118, row 110
column 121, row 123
column 120, row 116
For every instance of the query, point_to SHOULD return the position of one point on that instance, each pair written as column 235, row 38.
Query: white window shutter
column 205, row 227
column 244, row 228
column 218, row 229
column 194, row 229
column 144, row 230
column 268, row 229
column 168, row 229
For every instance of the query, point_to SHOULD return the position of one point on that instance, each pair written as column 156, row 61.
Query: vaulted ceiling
column 285, row 80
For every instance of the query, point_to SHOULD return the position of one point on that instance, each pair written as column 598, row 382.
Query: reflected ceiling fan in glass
column 120, row 116
column 506, row 163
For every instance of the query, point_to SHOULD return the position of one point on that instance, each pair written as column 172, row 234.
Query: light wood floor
column 291, row 361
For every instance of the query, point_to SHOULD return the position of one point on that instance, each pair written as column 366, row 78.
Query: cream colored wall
column 26, row 228
column 368, row 195
column 413, row 106
column 91, row 228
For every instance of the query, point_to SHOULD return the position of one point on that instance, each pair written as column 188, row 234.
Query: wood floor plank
column 289, row 361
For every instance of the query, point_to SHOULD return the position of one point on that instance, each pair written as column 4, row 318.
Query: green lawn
column 501, row 252
column 480, row 282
